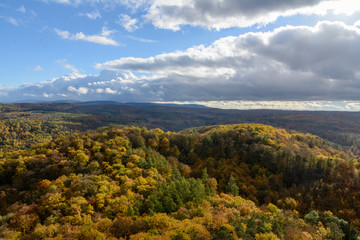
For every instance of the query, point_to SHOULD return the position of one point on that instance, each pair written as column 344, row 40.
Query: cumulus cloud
column 102, row 38
column 130, row 24
column 99, row 90
column 93, row 15
column 110, row 91
column 46, row 95
column 78, row 91
column 319, row 62
column 219, row 14
column 108, row 85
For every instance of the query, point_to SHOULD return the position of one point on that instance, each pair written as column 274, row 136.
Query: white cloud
column 73, row 76
column 357, row 24
column 46, row 95
column 130, row 24
column 62, row 34
column 347, row 7
column 106, row 32
column 99, row 39
column 219, row 14
column 110, row 91
column 71, row 67
column 38, row 68
column 93, row 15
column 78, row 91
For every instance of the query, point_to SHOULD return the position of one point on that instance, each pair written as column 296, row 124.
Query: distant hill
column 166, row 105
column 139, row 104
column 342, row 128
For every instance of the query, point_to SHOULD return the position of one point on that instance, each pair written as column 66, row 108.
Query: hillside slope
column 135, row 183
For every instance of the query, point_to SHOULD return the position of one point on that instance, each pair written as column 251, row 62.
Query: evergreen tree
column 233, row 187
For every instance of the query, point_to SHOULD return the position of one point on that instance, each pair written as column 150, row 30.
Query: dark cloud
column 220, row 14
column 247, row 7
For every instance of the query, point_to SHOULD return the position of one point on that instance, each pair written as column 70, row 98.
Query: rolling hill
column 243, row 181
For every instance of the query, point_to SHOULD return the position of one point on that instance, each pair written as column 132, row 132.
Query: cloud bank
column 350, row 106
column 290, row 63
column 108, row 85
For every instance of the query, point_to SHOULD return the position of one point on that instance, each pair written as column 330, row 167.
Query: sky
column 242, row 54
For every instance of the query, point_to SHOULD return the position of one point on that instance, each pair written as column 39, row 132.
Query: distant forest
column 340, row 128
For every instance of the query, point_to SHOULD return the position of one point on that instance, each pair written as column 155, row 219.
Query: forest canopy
column 244, row 181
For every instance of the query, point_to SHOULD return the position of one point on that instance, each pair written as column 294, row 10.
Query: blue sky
column 184, row 50
column 30, row 38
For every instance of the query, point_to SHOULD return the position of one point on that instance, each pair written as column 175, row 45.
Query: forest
column 342, row 129
column 66, row 174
